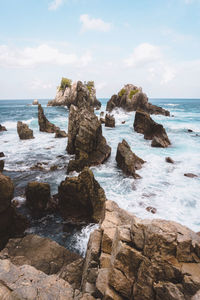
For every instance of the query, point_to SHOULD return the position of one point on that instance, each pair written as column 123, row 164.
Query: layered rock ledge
column 76, row 93
column 131, row 98
column 85, row 139
column 144, row 124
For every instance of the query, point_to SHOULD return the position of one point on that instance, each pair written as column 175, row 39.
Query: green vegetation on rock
column 90, row 86
column 65, row 82
column 122, row 92
column 132, row 93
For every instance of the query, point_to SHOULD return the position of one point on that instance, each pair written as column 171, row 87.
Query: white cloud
column 37, row 84
column 42, row 54
column 89, row 23
column 55, row 4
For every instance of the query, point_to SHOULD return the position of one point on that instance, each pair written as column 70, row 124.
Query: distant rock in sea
column 44, row 124
column 144, row 124
column 131, row 98
column 35, row 102
column 24, row 132
column 76, row 93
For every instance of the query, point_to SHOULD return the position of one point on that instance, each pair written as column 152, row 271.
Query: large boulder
column 11, row 223
column 39, row 252
column 127, row 160
column 81, row 197
column 131, row 98
column 37, row 197
column 2, row 128
column 144, row 124
column 24, row 131
column 44, row 124
column 109, row 121
column 139, row 259
column 77, row 93
column 85, row 139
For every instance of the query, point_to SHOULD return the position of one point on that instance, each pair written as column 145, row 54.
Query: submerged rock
column 2, row 128
column 190, row 175
column 144, row 124
column 131, row 98
column 81, row 197
column 127, row 160
column 35, row 102
column 85, row 140
column 60, row 134
column 37, row 197
column 151, row 209
column 44, row 124
column 1, row 165
column 138, row 259
column 24, row 131
column 169, row 160
column 109, row 121
column 77, row 93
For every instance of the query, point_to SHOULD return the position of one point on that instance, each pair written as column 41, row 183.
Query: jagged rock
column 143, row 259
column 38, row 252
column 81, row 197
column 131, row 98
column 11, row 223
column 72, row 273
column 127, row 160
column 79, row 94
column 44, row 124
column 109, row 121
column 24, row 131
column 169, row 160
column 85, row 139
column 2, row 154
column 2, row 128
column 190, row 175
column 37, row 197
column 144, row 124
column 35, row 102
column 60, row 134
column 1, row 165
column 25, row 282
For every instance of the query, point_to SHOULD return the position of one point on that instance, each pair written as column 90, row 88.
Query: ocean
column 162, row 186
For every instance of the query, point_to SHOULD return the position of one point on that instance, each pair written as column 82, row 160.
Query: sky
column 154, row 44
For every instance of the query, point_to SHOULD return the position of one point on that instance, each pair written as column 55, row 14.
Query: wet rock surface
column 81, row 198
column 85, row 140
column 2, row 128
column 169, row 160
column 60, row 134
column 144, row 124
column 127, row 160
column 24, row 132
column 190, row 175
column 44, row 124
column 109, row 121
column 131, row 98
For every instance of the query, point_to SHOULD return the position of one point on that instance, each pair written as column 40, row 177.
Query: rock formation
column 37, row 196
column 81, row 198
column 44, row 124
column 35, row 102
column 190, row 175
column 109, row 121
column 130, row 258
column 144, row 124
column 11, row 223
column 2, row 154
column 127, row 160
column 85, row 139
column 78, row 94
column 24, row 132
column 2, row 128
column 169, row 160
column 60, row 134
column 1, row 165
column 131, row 98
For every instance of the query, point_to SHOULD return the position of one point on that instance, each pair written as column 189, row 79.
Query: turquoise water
column 162, row 186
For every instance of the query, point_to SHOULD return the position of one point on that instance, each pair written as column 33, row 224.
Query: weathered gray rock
column 109, row 121
column 144, row 124
column 44, row 124
column 77, row 93
column 85, row 139
column 131, row 98
column 24, row 132
column 60, row 134
column 81, row 197
column 127, row 160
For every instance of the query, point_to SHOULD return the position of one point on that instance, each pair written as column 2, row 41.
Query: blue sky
column 150, row 43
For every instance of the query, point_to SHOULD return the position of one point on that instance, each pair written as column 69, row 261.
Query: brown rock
column 72, row 273
column 190, row 175
column 109, row 121
column 102, row 120
column 35, row 102
column 60, row 134
column 169, row 160
column 2, row 128
column 151, row 209
column 127, row 160
column 1, row 165
column 2, row 154
column 6, row 192
column 37, row 197
column 24, row 132
column 144, row 124
column 44, row 124
column 85, row 140
column 131, row 98
column 81, row 197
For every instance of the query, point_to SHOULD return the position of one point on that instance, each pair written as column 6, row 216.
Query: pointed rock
column 44, row 124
